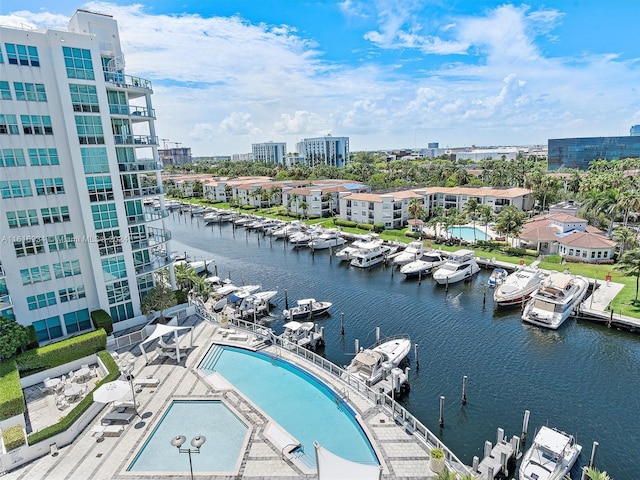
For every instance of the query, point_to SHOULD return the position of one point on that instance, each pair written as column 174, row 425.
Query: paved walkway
column 403, row 455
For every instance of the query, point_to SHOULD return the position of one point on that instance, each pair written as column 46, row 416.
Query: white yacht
column 497, row 277
column 412, row 253
column 372, row 364
column 303, row 237
column 330, row 238
column 306, row 308
column 460, row 265
column 550, row 457
column 303, row 334
column 518, row 286
column 346, row 254
column 554, row 300
column 287, row 230
column 425, row 265
column 370, row 254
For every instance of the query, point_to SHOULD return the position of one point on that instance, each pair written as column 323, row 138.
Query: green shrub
column 13, row 437
column 378, row 227
column 345, row 223
column 101, row 319
column 182, row 296
column 516, row 252
column 11, row 397
column 557, row 259
column 437, row 453
column 82, row 406
column 364, row 226
column 33, row 338
column 416, row 235
column 248, row 207
column 62, row 352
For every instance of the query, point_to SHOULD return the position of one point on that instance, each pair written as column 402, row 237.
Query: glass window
column 95, row 160
column 114, row 268
column 78, row 63
column 49, row 186
column 61, row 242
column 32, row 92
column 84, row 98
column 89, row 130
column 12, row 157
column 28, row 246
column 48, row 329
column 104, row 216
column 22, row 55
column 66, row 269
column 22, row 218
column 77, row 321
column 100, row 188
column 9, row 125
column 36, row 124
column 118, row 292
column 41, row 300
column 55, row 214
column 109, row 242
column 71, row 293
column 43, row 156
column 35, row 274
column 5, row 92
column 121, row 312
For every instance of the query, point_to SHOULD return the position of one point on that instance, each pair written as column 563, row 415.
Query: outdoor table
column 51, row 383
column 72, row 391
column 83, row 373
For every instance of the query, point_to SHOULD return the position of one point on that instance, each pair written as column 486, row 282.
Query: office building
column 332, row 151
column 579, row 152
column 269, row 152
column 81, row 204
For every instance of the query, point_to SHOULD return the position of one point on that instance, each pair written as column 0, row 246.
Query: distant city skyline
column 386, row 74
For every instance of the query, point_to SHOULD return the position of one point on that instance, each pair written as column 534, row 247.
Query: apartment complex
column 79, row 171
column 328, row 150
column 269, row 152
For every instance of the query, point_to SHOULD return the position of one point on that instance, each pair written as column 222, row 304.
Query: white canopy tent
column 162, row 330
column 332, row 467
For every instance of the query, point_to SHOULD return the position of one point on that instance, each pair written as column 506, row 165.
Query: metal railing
column 5, row 301
column 147, row 216
column 127, row 80
column 142, row 191
column 155, row 236
column 135, row 139
column 131, row 110
column 140, row 166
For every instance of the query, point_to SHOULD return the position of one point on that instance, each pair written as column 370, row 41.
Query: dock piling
column 484, row 296
column 286, row 300
column 342, row 323
column 441, row 421
column 377, row 335
column 525, row 426
column 415, row 353
column 446, row 285
column 464, row 390
column 592, row 460
column 357, row 345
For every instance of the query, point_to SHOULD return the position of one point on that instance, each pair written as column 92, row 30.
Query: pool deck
column 403, row 455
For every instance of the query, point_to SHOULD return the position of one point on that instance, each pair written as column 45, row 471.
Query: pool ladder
column 292, row 448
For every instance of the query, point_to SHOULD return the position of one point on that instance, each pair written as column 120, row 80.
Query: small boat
column 412, row 253
column 497, row 277
column 460, row 265
column 370, row 254
column 200, row 266
column 424, row 266
column 330, row 238
column 518, row 286
column 211, row 217
column 287, row 230
column 307, row 308
column 555, row 300
column 550, row 457
column 303, row 334
column 373, row 364
column 347, row 253
column 302, row 238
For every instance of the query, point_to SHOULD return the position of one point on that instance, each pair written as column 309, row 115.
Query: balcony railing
column 132, row 110
column 127, row 80
column 155, row 236
column 140, row 166
column 147, row 217
column 2, row 274
column 5, row 301
column 156, row 264
column 135, row 139
column 142, row 191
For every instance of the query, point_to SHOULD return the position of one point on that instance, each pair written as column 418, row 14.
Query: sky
column 387, row 74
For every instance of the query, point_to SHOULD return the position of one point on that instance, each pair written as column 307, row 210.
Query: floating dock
column 498, row 459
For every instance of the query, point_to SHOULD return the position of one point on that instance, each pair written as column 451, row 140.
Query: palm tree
column 595, row 474
column 186, row 276
column 415, row 208
column 510, row 221
column 630, row 265
column 625, row 238
column 486, row 215
column 304, row 206
column 328, row 197
column 202, row 289
column 471, row 209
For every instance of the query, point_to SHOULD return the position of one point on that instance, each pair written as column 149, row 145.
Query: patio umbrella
column 112, row 391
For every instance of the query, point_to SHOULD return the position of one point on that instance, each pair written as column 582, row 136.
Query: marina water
column 583, row 379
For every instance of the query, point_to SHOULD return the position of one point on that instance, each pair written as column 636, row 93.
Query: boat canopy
column 368, row 357
column 552, row 440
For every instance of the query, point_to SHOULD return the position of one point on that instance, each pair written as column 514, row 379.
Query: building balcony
column 155, row 236
column 2, row 274
column 127, row 81
column 143, row 165
column 5, row 302
column 397, row 215
column 156, row 264
column 142, row 192
column 147, row 217
column 136, row 140
column 132, row 111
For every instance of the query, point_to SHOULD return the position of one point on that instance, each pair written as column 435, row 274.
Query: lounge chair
column 147, row 382
column 166, row 353
column 125, row 404
column 107, row 430
column 115, row 417
column 163, row 344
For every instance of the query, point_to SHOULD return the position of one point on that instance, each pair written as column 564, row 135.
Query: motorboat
column 287, row 230
column 373, row 364
column 550, row 457
column 460, row 265
column 330, row 238
column 555, row 300
column 412, row 253
column 211, row 217
column 346, row 254
column 306, row 308
column 518, row 286
column 199, row 266
column 370, row 254
column 303, row 237
column 497, row 277
column 425, row 265
column 303, row 334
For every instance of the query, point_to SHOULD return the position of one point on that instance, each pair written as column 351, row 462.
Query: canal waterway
column 583, row 379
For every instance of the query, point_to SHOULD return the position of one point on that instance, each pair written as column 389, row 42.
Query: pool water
column 301, row 404
column 466, row 233
column 225, row 439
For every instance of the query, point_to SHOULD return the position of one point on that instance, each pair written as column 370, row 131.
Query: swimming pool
column 305, row 407
column 466, row 233
column 225, row 433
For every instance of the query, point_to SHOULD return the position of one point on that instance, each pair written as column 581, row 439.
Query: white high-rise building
column 269, row 152
column 81, row 204
column 332, row 151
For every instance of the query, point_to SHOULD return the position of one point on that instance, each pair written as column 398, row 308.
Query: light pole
column 196, row 442
column 127, row 372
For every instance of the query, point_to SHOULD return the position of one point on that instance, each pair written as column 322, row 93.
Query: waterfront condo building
column 269, row 152
column 81, row 207
column 332, row 151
